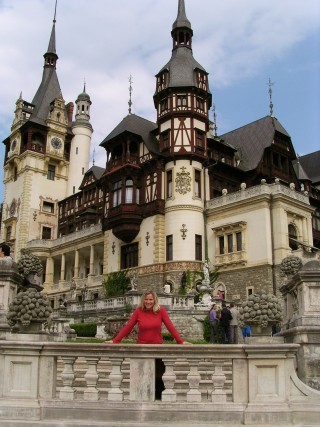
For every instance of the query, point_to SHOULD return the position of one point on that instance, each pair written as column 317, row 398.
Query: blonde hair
column 156, row 306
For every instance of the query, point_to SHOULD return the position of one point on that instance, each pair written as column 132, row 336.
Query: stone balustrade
column 258, row 190
column 43, row 382
column 177, row 302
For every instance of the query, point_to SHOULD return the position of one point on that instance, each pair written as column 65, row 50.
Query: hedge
column 85, row 329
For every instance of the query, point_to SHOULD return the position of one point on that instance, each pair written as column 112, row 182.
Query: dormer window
column 162, row 81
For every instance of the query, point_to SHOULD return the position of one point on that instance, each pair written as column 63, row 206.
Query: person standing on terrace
column 149, row 316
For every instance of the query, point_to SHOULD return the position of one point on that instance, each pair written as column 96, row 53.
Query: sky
column 240, row 43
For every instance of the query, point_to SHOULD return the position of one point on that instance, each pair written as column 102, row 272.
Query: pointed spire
column 181, row 29
column 50, row 57
column 52, row 41
column 182, row 20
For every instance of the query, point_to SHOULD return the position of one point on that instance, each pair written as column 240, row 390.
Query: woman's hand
column 108, row 342
column 186, row 342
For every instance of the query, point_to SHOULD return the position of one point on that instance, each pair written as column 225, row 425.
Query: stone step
column 68, row 423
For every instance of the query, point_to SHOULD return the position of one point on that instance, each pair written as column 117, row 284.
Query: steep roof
column 182, row 65
column 97, row 171
column 138, row 126
column 49, row 88
column 311, row 164
column 181, row 68
column 252, row 139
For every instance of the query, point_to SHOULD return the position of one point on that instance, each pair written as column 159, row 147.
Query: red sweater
column 149, row 327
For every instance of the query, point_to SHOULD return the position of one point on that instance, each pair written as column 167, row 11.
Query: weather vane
column 270, row 84
column 215, row 127
column 130, row 93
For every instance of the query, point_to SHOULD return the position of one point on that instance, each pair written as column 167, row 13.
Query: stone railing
column 43, row 382
column 36, row 243
column 170, row 301
column 258, row 190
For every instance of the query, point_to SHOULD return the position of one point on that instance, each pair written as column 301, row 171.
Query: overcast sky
column 240, row 43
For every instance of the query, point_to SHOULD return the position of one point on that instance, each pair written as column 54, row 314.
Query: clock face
column 13, row 144
column 56, row 143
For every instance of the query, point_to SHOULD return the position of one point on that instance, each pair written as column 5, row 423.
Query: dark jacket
column 226, row 316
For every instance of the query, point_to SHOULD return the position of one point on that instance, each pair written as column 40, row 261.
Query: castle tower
column 80, row 145
column 36, row 160
column 183, row 101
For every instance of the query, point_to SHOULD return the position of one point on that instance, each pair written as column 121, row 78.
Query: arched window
column 292, row 232
column 221, row 290
column 129, row 191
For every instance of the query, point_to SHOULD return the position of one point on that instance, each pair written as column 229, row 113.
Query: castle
column 172, row 195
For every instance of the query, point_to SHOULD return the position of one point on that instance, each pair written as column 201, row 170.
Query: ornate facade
column 172, row 193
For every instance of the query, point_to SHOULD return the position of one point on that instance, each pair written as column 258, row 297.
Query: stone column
column 304, row 230
column 63, row 268
column 91, row 260
column 49, row 271
column 76, row 264
column 9, row 280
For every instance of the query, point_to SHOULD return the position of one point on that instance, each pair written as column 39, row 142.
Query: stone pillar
column 49, row 271
column 302, row 323
column 91, row 271
column 9, row 281
column 304, row 230
column 76, row 264
column 63, row 268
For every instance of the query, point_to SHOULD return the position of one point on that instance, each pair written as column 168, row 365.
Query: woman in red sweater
column 149, row 317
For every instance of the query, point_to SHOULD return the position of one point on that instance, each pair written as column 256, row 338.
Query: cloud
column 103, row 42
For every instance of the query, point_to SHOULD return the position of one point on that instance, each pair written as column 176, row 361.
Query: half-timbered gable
column 265, row 151
column 132, row 180
column 83, row 208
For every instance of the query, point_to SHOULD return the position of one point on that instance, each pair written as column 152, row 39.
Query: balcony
column 124, row 220
column 47, row 383
column 125, row 159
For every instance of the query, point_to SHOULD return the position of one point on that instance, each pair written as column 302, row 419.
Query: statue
column 206, row 271
column 133, row 282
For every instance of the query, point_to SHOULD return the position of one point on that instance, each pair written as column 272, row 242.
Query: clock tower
column 37, row 160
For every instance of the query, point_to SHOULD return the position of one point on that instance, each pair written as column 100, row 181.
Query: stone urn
column 261, row 311
column 29, row 310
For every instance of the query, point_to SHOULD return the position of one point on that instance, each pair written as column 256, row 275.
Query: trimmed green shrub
column 117, row 284
column 85, row 329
